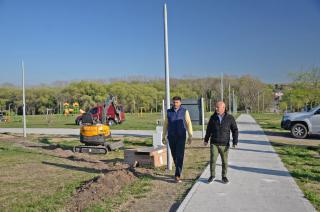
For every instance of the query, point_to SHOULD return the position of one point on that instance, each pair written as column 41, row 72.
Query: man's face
column 220, row 108
column 176, row 104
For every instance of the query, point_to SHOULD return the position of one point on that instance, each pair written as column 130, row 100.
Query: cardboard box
column 148, row 156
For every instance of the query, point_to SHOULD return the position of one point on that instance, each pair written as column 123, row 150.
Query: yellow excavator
column 96, row 136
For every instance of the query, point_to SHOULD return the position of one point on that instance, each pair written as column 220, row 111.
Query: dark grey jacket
column 220, row 133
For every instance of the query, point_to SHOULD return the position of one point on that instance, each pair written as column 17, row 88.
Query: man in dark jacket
column 218, row 131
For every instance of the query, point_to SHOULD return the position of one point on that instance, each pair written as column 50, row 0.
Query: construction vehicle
column 96, row 136
column 115, row 113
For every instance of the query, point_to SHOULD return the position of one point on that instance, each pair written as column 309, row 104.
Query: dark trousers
column 223, row 151
column 177, row 146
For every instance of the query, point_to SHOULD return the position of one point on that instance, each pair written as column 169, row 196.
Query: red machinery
column 114, row 113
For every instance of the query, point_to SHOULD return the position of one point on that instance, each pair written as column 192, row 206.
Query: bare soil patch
column 100, row 188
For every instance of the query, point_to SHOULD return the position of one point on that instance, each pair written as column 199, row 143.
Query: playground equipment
column 71, row 109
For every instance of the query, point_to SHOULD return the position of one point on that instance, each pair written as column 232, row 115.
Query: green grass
column 269, row 121
column 42, row 121
column 27, row 183
column 146, row 121
column 137, row 190
column 30, row 180
column 53, row 202
column 304, row 165
column 63, row 144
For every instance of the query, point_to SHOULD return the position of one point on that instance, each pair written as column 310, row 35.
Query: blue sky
column 101, row 39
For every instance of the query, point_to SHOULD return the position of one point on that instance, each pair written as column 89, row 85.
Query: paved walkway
column 69, row 131
column 258, row 179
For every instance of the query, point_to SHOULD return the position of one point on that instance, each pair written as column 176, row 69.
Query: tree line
column 136, row 95
column 304, row 92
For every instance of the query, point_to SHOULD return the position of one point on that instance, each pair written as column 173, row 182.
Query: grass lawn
column 146, row 121
column 28, row 184
column 301, row 157
column 42, row 121
column 303, row 163
column 37, row 179
column 269, row 121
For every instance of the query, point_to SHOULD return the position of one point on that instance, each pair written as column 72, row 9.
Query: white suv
column 302, row 124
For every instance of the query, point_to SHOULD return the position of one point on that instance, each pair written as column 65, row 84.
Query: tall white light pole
column 221, row 86
column 258, row 101
column 166, row 65
column 229, row 99
column 263, row 101
column 23, row 102
column 233, row 103
column 202, row 117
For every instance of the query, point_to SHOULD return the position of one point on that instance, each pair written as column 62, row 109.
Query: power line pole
column 167, row 70
column 156, row 104
column 233, row 103
column 221, row 86
column 163, row 111
column 258, row 101
column 229, row 99
column 23, row 102
column 262, row 101
column 202, row 117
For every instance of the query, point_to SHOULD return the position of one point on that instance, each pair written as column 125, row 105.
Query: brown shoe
column 178, row 180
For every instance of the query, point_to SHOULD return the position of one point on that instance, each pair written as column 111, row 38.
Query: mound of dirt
column 100, row 188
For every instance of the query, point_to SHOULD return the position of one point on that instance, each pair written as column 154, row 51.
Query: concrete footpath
column 258, row 179
column 70, row 131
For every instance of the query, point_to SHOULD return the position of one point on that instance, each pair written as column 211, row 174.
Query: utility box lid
column 151, row 156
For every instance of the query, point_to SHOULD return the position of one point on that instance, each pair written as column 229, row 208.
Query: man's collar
column 176, row 109
column 222, row 114
column 173, row 108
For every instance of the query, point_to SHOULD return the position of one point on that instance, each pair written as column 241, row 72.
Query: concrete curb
column 70, row 131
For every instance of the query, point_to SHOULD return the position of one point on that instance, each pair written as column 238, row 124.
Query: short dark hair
column 175, row 98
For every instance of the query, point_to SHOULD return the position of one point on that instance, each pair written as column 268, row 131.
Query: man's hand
column 164, row 140
column 189, row 140
column 205, row 143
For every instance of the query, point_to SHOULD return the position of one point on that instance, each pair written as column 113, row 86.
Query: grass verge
column 303, row 163
column 301, row 158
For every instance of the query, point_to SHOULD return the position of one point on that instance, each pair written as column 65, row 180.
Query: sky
column 65, row 40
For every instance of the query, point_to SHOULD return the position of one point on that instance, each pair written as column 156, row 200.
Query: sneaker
column 211, row 179
column 225, row 180
column 178, row 180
